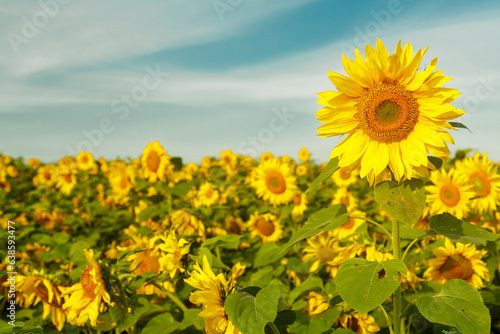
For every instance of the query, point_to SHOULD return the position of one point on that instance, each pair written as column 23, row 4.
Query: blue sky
column 201, row 75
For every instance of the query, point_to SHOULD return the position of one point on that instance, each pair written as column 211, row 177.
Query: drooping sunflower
column 213, row 290
column 316, row 303
column 392, row 114
column 86, row 299
column 482, row 176
column 35, row 289
column 450, row 193
column 175, row 250
column 187, row 224
column 274, row 182
column 266, row 226
column 361, row 324
column 234, row 225
column 155, row 162
column 458, row 261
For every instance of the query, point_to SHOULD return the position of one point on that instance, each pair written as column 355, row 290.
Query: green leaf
column 458, row 230
column 166, row 324
column 138, row 280
column 36, row 330
column 61, row 238
column 437, row 162
column 262, row 277
column 365, row 285
column 459, row 305
column 76, row 253
column 251, row 314
column 407, row 232
column 268, row 253
column 404, row 202
column 162, row 324
column 177, row 162
column 330, row 168
column 137, row 304
column 229, row 241
column 324, row 220
column 284, row 318
column 148, row 212
column 344, row 331
column 459, row 125
column 315, row 324
column 180, row 189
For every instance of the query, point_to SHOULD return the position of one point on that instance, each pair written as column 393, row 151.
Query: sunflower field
column 392, row 235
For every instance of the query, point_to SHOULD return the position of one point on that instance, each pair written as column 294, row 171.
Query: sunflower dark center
column 265, row 227
column 480, row 183
column 456, row 266
column 87, row 282
column 388, row 112
column 325, row 254
column 153, row 161
column 275, row 182
column 449, row 195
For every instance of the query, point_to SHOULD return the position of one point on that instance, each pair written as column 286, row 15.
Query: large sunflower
column 458, row 261
column 482, row 176
column 450, row 193
column 393, row 115
column 274, row 182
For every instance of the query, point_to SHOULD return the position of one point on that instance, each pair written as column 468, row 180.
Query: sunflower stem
column 386, row 318
column 396, row 296
column 273, row 327
column 176, row 300
column 374, row 223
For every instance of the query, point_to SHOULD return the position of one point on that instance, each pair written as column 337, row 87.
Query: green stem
column 176, row 300
column 407, row 307
column 396, row 251
column 374, row 223
column 386, row 318
column 273, row 328
column 408, row 247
